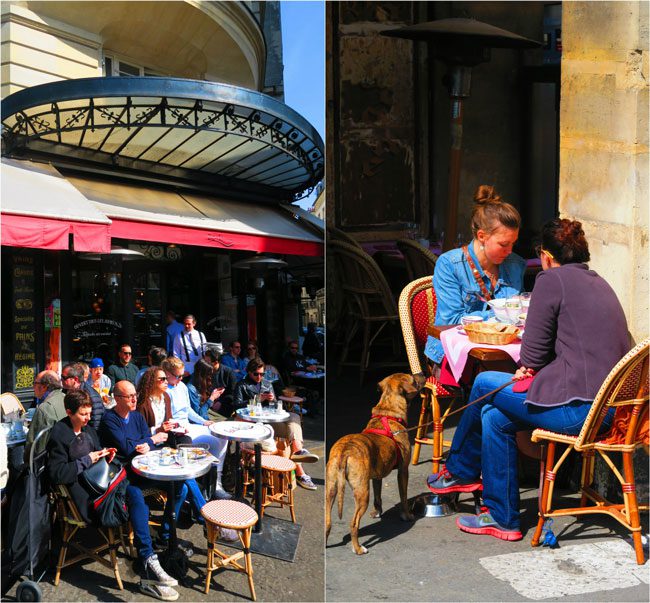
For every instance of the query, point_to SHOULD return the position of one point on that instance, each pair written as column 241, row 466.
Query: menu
column 24, row 321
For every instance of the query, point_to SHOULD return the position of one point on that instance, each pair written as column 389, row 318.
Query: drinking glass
column 513, row 309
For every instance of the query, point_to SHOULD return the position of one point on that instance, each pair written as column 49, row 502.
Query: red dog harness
column 386, row 431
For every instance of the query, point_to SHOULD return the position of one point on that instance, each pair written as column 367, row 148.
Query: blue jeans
column 139, row 511
column 484, row 442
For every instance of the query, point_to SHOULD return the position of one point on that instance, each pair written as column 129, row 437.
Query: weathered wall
column 604, row 143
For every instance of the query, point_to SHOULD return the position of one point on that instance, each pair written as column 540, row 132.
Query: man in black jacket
column 223, row 378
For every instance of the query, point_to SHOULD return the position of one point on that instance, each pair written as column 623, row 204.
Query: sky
column 303, row 42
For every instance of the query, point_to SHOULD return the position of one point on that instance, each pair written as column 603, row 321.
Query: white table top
column 265, row 417
column 240, row 431
column 195, row 466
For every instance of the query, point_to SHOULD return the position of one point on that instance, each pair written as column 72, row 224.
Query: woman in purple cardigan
column 575, row 333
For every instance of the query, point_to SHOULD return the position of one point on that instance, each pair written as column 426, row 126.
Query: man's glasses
column 252, row 347
column 258, row 374
column 41, row 383
column 64, row 377
column 294, row 349
column 127, row 353
column 175, row 376
column 162, row 379
column 129, row 396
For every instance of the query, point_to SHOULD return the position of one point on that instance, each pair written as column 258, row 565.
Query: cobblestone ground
column 431, row 560
column 275, row 580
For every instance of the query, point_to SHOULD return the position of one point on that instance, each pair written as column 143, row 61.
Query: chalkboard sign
column 24, row 322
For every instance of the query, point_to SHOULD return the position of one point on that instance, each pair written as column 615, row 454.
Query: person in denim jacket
column 495, row 228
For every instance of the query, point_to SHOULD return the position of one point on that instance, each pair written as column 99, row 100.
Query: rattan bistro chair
column 626, row 390
column 371, row 305
column 420, row 261
column 417, row 310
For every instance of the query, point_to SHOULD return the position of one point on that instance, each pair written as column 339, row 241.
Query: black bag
column 98, row 477
column 110, row 508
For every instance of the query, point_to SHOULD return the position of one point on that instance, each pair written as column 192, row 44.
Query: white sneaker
column 160, row 576
column 221, row 494
column 305, row 482
column 164, row 593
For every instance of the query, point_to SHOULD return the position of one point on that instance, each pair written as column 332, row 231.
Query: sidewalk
column 431, row 560
column 275, row 580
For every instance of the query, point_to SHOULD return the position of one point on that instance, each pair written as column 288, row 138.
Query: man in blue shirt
column 125, row 430
column 174, row 328
column 234, row 362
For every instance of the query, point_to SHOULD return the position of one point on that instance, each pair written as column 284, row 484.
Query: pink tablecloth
column 457, row 346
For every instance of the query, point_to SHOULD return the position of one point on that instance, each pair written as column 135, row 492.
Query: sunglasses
column 127, row 353
column 539, row 250
column 162, row 379
column 258, row 374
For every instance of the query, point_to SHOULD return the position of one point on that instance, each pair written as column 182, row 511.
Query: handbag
column 97, row 478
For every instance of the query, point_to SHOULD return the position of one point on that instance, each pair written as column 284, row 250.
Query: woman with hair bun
column 486, row 268
column 575, row 333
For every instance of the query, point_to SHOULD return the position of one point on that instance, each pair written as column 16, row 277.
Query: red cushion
column 423, row 311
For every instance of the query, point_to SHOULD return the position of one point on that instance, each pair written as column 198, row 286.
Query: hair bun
column 486, row 194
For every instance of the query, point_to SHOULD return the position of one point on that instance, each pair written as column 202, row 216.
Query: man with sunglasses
column 124, row 369
column 254, row 384
column 51, row 408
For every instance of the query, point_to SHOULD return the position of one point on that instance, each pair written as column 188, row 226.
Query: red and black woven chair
column 417, row 310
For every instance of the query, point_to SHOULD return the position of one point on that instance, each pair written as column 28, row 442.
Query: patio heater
column 461, row 44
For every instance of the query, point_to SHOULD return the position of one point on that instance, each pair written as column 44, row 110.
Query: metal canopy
column 450, row 30
column 212, row 134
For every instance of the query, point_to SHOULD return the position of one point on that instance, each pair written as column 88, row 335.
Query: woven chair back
column 363, row 283
column 334, row 234
column 626, row 390
column 419, row 260
column 417, row 310
column 10, row 403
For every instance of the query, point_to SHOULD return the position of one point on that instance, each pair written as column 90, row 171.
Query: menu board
column 24, row 322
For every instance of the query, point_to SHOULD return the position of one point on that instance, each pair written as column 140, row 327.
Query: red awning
column 40, row 209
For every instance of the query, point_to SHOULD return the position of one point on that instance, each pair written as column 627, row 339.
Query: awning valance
column 148, row 214
column 40, row 209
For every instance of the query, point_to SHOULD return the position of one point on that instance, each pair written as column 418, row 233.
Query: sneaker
column 221, row 494
column 444, row 483
column 298, row 410
column 304, row 481
column 304, row 456
column 228, row 535
column 156, row 574
column 484, row 524
column 164, row 593
column 183, row 546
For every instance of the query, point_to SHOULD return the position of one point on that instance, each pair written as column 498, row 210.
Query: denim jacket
column 456, row 290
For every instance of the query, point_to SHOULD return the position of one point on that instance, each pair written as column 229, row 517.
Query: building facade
column 146, row 151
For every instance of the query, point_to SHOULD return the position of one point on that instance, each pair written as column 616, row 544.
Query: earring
column 482, row 247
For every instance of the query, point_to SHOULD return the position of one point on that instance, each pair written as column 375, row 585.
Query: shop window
column 52, row 314
column 147, row 314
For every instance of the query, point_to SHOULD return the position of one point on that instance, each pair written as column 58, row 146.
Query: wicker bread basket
column 492, row 333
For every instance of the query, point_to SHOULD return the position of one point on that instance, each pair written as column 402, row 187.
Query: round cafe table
column 148, row 465
column 240, row 431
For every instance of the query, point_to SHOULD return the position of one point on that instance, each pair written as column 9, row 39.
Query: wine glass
column 513, row 308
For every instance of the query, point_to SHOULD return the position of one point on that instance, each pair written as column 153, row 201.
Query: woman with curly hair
column 154, row 402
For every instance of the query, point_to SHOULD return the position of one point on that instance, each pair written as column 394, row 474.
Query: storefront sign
column 24, row 322
column 96, row 327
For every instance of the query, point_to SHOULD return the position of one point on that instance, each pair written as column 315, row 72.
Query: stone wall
column 604, row 143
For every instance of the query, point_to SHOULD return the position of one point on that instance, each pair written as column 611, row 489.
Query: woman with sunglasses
column 254, row 384
column 575, row 333
column 196, row 427
column 484, row 269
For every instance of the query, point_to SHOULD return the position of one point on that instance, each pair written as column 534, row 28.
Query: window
column 114, row 66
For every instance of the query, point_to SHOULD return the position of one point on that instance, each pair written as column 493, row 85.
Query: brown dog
column 362, row 457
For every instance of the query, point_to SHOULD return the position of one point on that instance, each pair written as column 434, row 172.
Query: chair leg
column 291, row 499
column 544, row 501
column 112, row 546
column 68, row 532
column 632, row 506
column 587, row 475
column 210, row 562
column 436, row 454
column 421, row 432
column 246, row 544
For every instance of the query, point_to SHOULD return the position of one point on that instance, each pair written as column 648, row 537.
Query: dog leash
column 494, row 391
